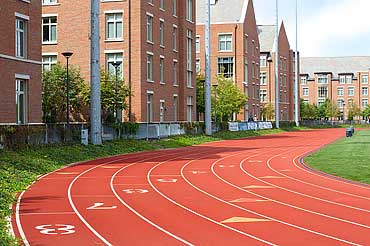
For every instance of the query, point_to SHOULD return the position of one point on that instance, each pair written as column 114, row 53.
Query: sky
column 325, row 27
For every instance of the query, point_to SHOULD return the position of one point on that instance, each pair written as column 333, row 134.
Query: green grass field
column 348, row 158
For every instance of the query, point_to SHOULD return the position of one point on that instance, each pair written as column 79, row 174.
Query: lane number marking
column 57, row 229
column 167, row 180
column 197, row 172
column 132, row 191
column 99, row 206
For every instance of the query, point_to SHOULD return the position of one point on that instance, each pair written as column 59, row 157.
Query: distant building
column 20, row 62
column 235, row 48
column 286, row 70
column 343, row 80
column 154, row 39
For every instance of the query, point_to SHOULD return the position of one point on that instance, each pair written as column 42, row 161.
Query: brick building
column 20, row 62
column 154, row 40
column 235, row 48
column 286, row 70
column 343, row 80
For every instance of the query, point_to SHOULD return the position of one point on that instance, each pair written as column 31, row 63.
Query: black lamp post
column 67, row 55
column 344, row 109
column 215, row 88
column 116, row 65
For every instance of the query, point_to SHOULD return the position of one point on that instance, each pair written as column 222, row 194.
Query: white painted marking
column 18, row 220
column 57, row 229
column 226, row 166
column 167, row 180
column 55, row 213
column 255, row 161
column 132, row 191
column 100, row 206
column 197, row 172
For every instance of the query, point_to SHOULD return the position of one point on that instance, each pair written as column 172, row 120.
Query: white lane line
column 18, row 220
column 51, row 213
column 200, row 215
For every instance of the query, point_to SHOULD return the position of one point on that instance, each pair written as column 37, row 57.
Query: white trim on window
column 22, row 16
column 114, row 11
column 113, row 51
column 22, row 76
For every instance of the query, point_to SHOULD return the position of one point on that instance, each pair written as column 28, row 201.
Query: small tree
column 328, row 110
column 309, row 111
column 54, row 93
column 267, row 111
column 229, row 98
column 366, row 112
column 353, row 111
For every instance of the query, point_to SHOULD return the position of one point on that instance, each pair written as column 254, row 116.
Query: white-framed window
column 49, row 29
column 112, row 58
column 365, row 91
column 365, row 79
column 161, row 70
column 364, row 102
column 197, row 66
column 263, row 95
column 246, row 71
column 246, row 44
column 149, row 28
column 175, row 80
column 348, row 79
column 306, row 101
column 161, row 33
column 189, row 111
column 149, row 67
column 263, row 60
column 342, row 79
column 174, row 7
column 48, row 62
column 149, row 1
column 175, row 108
column 197, row 44
column 303, row 80
column 225, row 66
column 322, row 79
column 225, row 42
column 113, row 26
column 174, row 34
column 149, row 102
column 321, row 101
column 189, row 58
column 253, row 48
column 340, row 103
column 161, row 110
column 340, row 91
column 189, row 10
column 306, row 92
column 263, row 78
column 161, row 4
column 49, row 2
column 351, row 91
column 21, row 101
column 21, row 38
column 323, row 91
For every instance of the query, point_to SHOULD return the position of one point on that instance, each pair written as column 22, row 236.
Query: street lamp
column 67, row 55
column 344, row 118
column 116, row 65
column 215, row 89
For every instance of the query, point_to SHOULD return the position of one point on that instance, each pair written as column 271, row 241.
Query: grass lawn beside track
column 348, row 158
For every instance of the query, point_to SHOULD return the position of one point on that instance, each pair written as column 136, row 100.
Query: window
column 189, row 111
column 263, row 78
column 306, row 101
column 246, row 44
column 340, row 103
column 365, row 79
column 263, row 95
column 225, row 42
column 306, row 92
column 189, row 10
column 226, row 66
column 48, row 62
column 197, row 66
column 112, row 58
column 303, row 80
column 365, row 91
column 174, row 7
column 253, row 48
column 149, row 28
column 175, row 108
column 149, row 67
column 342, row 79
column 21, row 101
column 320, row 101
column 174, row 33
column 351, row 91
column 263, row 60
column 349, row 79
column 246, row 72
column 46, row 2
column 149, row 1
column 150, row 107
column 49, row 29
column 197, row 44
column 340, row 91
column 161, row 33
column 323, row 91
column 189, row 58
column 161, row 4
column 21, row 38
column 175, row 73
column 322, row 79
column 161, row 70
column 113, row 26
column 364, row 103
column 161, row 110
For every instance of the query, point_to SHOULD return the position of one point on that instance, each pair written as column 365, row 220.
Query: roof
column 335, row 65
column 266, row 35
column 223, row 11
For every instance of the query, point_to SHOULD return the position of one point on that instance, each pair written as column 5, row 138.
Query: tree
column 353, row 111
column 54, row 93
column 328, row 109
column 229, row 98
column 366, row 112
column 267, row 111
column 113, row 96
column 200, row 95
column 308, row 111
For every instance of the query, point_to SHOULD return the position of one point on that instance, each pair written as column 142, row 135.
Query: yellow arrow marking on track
column 258, row 187
column 244, row 220
column 248, row 200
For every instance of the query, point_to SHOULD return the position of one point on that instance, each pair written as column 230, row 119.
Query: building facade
column 235, row 48
column 154, row 40
column 286, row 68
column 343, row 80
column 20, row 62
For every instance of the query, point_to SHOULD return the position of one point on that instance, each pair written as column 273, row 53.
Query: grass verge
column 347, row 158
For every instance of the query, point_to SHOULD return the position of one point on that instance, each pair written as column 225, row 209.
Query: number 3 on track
column 57, row 229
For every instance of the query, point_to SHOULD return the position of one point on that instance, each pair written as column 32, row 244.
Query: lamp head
column 67, row 54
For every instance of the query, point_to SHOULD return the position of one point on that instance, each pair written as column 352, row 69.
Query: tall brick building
column 343, row 80
column 286, row 70
column 20, row 62
column 154, row 39
column 235, row 49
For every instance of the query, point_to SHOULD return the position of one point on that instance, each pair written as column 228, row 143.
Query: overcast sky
column 326, row 27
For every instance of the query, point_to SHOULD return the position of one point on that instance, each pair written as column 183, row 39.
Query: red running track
column 240, row 192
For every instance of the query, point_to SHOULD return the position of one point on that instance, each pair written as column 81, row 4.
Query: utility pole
column 277, row 88
column 296, row 101
column 207, row 91
column 95, row 106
